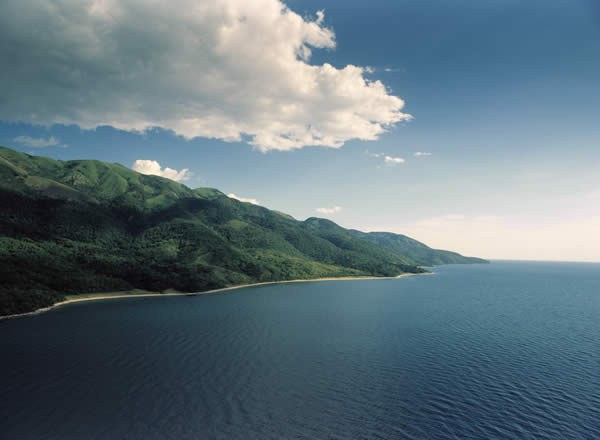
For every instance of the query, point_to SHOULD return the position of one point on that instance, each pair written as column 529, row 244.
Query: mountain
column 418, row 252
column 69, row 227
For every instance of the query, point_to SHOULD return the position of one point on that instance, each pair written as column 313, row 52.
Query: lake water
column 500, row 351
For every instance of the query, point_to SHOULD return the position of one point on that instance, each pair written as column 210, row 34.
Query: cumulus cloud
column 243, row 199
column 332, row 210
column 29, row 141
column 391, row 160
column 153, row 167
column 226, row 69
column 422, row 154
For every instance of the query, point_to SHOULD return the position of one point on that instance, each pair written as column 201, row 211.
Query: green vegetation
column 418, row 252
column 87, row 226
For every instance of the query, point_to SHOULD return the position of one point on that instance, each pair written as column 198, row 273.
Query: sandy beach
column 148, row 294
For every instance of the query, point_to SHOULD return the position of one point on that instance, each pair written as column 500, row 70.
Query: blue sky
column 504, row 97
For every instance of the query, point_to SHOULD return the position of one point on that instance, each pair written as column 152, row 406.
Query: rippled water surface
column 501, row 351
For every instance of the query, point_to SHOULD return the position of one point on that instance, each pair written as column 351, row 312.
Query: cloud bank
column 226, row 69
column 243, row 199
column 153, row 167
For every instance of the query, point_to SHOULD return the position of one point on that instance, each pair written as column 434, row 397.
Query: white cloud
column 332, row 210
column 422, row 154
column 153, row 167
column 28, row 141
column 243, row 199
column 226, row 69
column 391, row 160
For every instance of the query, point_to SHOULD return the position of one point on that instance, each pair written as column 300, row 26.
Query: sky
column 469, row 125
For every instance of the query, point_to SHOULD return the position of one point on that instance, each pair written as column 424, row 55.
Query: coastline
column 148, row 294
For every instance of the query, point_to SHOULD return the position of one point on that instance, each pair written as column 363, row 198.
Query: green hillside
column 418, row 252
column 88, row 226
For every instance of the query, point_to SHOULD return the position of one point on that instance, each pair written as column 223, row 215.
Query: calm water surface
column 501, row 351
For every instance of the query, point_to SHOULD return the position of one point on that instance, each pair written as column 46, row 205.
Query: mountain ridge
column 87, row 226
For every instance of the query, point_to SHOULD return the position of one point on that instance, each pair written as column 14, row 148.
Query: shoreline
column 148, row 294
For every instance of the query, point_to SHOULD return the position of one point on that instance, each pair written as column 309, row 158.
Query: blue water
column 500, row 351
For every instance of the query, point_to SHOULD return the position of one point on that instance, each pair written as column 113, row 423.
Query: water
column 502, row 351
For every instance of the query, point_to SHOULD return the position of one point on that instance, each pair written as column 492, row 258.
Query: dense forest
column 88, row 226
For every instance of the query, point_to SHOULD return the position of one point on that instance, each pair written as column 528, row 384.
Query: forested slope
column 88, row 226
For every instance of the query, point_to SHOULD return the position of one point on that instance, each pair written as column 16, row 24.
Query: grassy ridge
column 89, row 226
